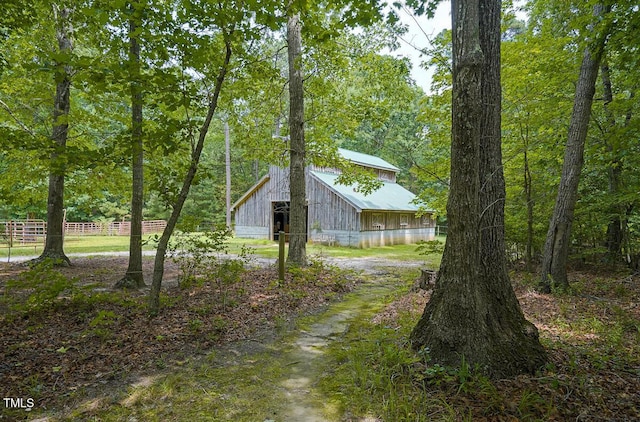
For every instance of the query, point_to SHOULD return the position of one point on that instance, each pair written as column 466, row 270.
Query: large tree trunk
column 298, row 216
column 473, row 314
column 158, row 266
column 134, row 278
column 511, row 341
column 54, row 243
column 556, row 248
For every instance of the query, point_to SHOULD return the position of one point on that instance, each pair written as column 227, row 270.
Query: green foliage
column 195, row 253
column 37, row 290
column 430, row 247
column 103, row 324
column 204, row 257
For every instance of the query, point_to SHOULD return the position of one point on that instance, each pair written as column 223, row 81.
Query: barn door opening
column 280, row 219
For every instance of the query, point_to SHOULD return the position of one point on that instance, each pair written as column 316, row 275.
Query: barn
column 336, row 214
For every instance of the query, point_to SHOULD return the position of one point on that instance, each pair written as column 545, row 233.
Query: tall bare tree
column 473, row 314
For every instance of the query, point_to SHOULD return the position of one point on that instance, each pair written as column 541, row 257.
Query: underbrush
column 67, row 341
column 592, row 335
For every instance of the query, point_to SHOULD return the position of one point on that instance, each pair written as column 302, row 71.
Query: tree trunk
column 473, row 315
column 511, row 341
column 227, row 166
column 556, row 248
column 298, row 217
column 54, row 243
column 134, row 277
column 158, row 266
column 528, row 188
column 615, row 233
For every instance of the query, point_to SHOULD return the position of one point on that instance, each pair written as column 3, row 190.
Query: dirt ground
column 99, row 337
column 95, row 338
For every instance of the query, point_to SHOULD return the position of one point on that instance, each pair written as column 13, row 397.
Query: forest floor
column 82, row 351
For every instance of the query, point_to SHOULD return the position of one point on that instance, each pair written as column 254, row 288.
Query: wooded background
column 355, row 97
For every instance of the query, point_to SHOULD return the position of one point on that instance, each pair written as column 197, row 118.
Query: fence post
column 281, row 255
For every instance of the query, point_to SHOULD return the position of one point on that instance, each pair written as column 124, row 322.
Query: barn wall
column 328, row 211
column 252, row 232
column 336, row 237
column 385, row 220
column 278, row 184
column 386, row 175
column 373, row 238
column 370, row 239
column 256, row 210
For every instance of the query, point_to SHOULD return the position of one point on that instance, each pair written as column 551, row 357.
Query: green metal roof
column 390, row 197
column 366, row 159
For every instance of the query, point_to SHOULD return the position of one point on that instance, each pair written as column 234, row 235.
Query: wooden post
column 281, row 239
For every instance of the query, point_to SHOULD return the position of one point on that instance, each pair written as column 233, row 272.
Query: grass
column 76, row 244
column 264, row 248
column 207, row 389
column 228, row 385
column 269, row 249
column 592, row 370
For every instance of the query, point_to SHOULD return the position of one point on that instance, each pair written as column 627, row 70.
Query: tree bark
column 227, row 166
column 614, row 236
column 298, row 219
column 54, row 243
column 158, row 266
column 473, row 315
column 557, row 244
column 134, row 277
column 528, row 190
column 511, row 341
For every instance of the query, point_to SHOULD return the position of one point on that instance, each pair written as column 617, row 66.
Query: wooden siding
column 381, row 174
column 331, row 170
column 381, row 220
column 328, row 211
column 279, row 185
column 255, row 210
column 386, row 175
